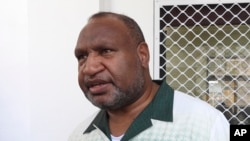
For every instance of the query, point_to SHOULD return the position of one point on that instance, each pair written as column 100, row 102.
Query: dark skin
column 114, row 72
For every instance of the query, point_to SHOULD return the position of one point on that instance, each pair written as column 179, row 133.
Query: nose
column 92, row 65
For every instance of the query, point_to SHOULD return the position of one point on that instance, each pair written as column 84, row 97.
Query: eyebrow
column 78, row 51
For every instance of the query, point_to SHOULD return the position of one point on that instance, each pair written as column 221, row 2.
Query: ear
column 143, row 53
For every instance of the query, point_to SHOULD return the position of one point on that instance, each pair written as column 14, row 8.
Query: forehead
column 106, row 20
column 104, row 28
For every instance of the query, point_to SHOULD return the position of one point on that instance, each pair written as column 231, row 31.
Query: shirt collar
column 160, row 108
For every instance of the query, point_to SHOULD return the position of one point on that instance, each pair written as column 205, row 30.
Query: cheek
column 81, row 81
column 124, row 70
column 80, row 74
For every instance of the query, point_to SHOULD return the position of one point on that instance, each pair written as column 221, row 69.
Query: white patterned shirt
column 171, row 116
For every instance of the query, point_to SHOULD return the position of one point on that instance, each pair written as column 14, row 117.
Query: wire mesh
column 204, row 50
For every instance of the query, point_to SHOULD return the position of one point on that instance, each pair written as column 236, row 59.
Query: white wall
column 57, row 103
column 14, row 96
column 39, row 95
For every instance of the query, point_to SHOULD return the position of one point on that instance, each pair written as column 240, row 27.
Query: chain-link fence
column 204, row 50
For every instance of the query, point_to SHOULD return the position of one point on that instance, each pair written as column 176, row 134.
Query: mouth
column 97, row 87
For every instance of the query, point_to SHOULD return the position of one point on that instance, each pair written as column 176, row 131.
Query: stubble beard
column 122, row 98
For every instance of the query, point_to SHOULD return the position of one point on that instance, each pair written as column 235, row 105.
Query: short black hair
column 134, row 29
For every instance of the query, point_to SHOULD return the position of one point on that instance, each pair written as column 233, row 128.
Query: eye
column 81, row 56
column 106, row 51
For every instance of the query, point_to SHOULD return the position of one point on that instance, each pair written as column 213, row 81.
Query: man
column 113, row 60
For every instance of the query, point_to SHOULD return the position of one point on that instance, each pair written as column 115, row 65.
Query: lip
column 97, row 87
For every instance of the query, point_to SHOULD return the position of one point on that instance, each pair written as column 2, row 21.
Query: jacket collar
column 160, row 108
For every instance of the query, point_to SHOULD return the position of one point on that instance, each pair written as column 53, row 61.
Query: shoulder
column 79, row 130
column 195, row 108
column 187, row 102
column 200, row 116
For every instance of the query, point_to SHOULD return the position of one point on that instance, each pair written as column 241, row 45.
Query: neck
column 120, row 119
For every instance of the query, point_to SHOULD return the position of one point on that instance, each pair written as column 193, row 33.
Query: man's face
column 110, row 72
